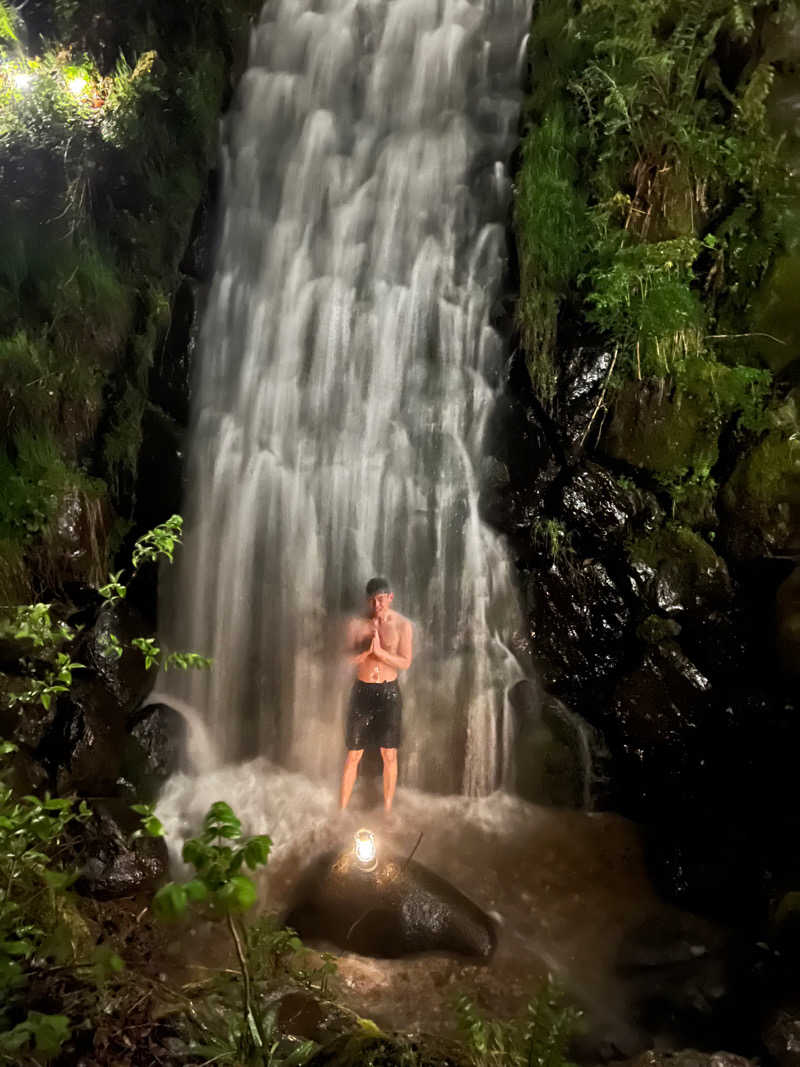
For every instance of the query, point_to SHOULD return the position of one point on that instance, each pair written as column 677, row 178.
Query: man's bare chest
column 389, row 634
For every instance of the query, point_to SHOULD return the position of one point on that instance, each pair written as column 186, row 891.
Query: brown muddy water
column 567, row 889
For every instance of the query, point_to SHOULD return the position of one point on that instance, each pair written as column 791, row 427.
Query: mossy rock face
column 776, row 314
column 678, row 573
column 661, row 429
column 761, row 500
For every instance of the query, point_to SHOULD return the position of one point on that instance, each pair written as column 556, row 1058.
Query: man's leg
column 349, row 775
column 389, row 776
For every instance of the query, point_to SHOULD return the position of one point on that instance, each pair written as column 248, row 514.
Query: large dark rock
column 687, row 1058
column 781, row 1033
column 661, row 428
column 75, row 548
column 155, row 748
column 399, row 908
column 197, row 261
column 115, row 863
column 577, row 624
column 171, row 373
column 654, row 718
column 678, row 573
column 761, row 500
column 578, row 411
column 126, row 678
column 160, row 470
column 602, row 510
column 515, row 481
column 85, row 745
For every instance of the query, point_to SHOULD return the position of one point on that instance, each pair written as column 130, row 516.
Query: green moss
column 672, row 541
column 550, row 220
column 761, row 500
column 122, row 442
column 770, row 474
column 663, row 192
column 662, row 428
column 15, row 587
column 8, row 18
column 775, row 318
column 678, row 571
column 33, row 479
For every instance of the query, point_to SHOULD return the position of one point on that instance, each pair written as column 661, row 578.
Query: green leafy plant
column 161, row 541
column 552, row 537
column 652, row 197
column 540, row 1039
column 33, row 626
column 219, row 855
column 33, row 876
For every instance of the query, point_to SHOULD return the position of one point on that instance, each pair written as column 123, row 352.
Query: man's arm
column 402, row 660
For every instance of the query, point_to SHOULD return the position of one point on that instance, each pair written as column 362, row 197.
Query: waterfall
column 347, row 365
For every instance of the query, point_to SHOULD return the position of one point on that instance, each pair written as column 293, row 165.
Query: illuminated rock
column 399, row 908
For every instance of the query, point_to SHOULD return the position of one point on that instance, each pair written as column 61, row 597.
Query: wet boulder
column 578, row 403
column 155, row 748
column 577, row 621
column 654, row 719
column 687, row 1058
column 521, row 469
column 781, row 1033
column 678, row 573
column 662, row 429
column 160, row 470
column 602, row 508
column 113, row 861
column 86, row 743
column 124, row 676
column 170, row 374
column 396, row 909
column 75, row 548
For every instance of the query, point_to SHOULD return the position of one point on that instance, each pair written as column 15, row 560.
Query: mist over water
column 347, row 365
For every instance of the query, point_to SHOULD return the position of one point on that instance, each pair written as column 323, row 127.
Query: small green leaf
column 49, row 1031
column 57, row 879
column 196, row 890
column 238, row 894
column 170, row 901
column 256, row 851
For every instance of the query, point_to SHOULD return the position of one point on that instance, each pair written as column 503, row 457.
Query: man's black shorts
column 374, row 716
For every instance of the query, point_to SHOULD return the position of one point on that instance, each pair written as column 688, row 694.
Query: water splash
column 347, row 367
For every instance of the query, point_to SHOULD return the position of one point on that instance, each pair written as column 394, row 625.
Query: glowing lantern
column 22, row 81
column 365, row 850
column 76, row 85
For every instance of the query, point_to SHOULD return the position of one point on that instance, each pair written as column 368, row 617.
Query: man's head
column 379, row 595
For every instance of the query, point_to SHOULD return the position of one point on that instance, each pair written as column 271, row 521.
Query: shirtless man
column 379, row 645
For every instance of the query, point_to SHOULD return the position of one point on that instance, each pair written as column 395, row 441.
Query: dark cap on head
column 378, row 585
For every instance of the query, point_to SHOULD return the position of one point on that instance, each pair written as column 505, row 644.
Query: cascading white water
column 347, row 364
